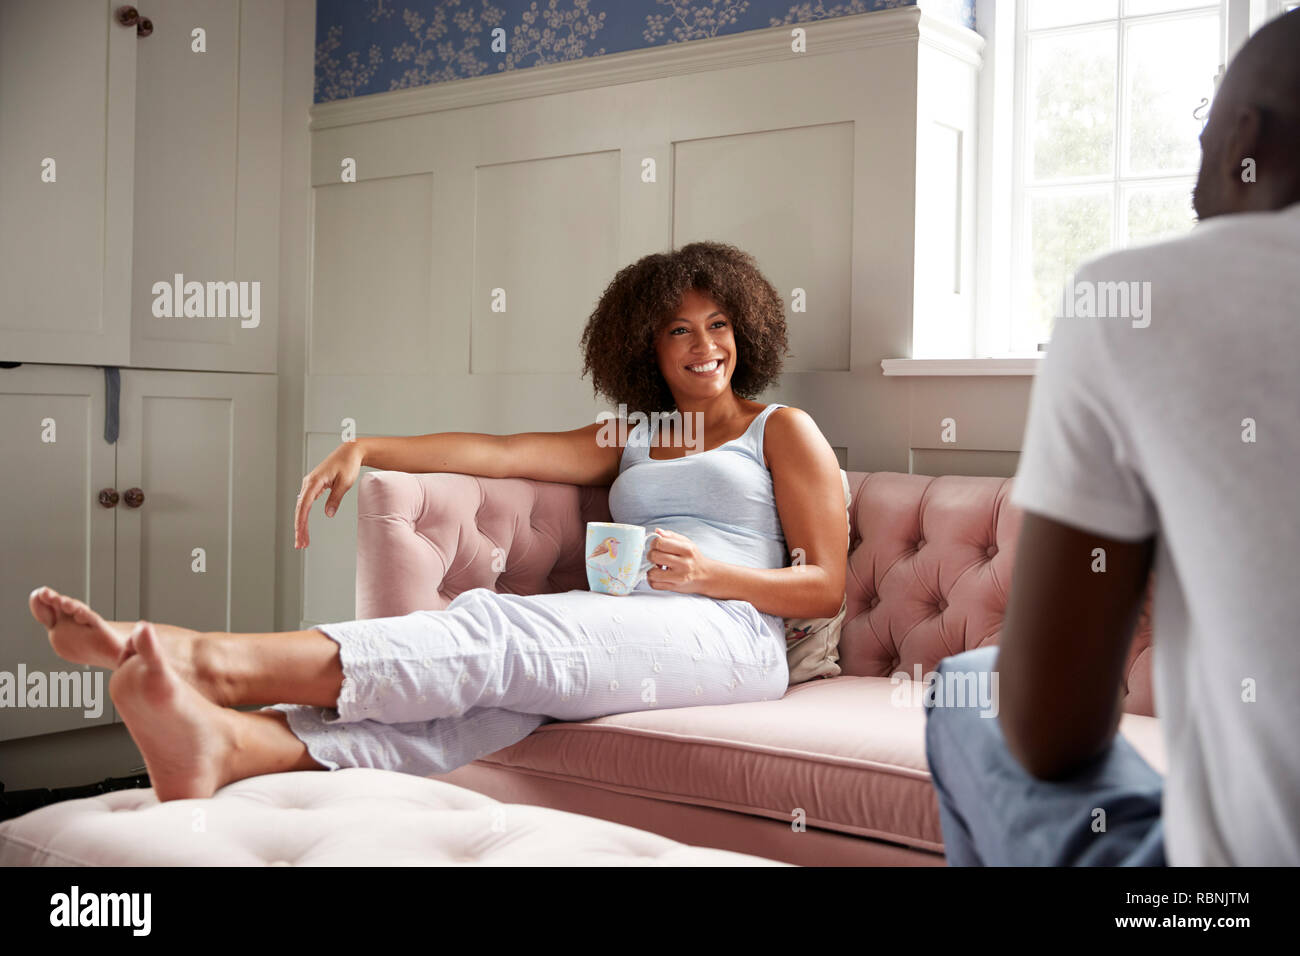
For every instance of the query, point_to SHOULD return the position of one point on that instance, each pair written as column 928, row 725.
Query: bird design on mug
column 610, row 547
column 604, row 560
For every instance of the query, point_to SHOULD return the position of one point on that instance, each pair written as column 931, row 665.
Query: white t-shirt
column 1137, row 431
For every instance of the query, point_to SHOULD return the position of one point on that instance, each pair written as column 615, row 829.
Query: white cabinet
column 53, row 531
column 166, row 163
column 130, row 155
column 207, row 179
column 67, row 126
column 200, row 550
column 193, row 546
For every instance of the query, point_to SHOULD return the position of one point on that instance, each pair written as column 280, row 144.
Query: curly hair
column 618, row 342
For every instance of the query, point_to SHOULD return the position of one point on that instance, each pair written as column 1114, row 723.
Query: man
column 1164, row 432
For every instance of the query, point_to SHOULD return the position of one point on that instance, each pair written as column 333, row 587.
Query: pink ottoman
column 355, row 816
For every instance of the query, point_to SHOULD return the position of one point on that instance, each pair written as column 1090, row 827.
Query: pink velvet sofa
column 834, row 773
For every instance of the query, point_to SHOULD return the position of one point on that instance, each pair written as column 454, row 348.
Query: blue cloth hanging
column 112, row 396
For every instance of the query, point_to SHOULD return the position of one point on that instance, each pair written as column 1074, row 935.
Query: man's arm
column 1065, row 643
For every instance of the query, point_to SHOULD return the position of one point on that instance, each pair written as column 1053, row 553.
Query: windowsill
column 1025, row 365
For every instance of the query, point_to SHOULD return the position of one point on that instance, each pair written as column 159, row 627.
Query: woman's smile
column 709, row 369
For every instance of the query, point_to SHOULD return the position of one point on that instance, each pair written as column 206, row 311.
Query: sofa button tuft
column 991, row 550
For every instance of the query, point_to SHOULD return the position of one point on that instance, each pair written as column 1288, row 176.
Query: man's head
column 1253, row 131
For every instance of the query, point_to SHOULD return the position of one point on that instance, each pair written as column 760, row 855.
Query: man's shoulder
column 1144, row 260
column 1214, row 243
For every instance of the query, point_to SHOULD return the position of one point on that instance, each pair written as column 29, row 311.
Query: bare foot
column 186, row 739
column 77, row 633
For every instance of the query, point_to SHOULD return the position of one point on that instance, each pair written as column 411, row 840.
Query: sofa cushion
column 348, row 817
column 849, row 752
column 809, row 751
column 811, row 643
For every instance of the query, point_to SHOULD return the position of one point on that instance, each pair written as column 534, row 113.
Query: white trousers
column 430, row 691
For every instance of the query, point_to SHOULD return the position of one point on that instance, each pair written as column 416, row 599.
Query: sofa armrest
column 423, row 539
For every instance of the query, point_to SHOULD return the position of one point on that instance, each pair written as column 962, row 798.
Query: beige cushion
column 812, row 643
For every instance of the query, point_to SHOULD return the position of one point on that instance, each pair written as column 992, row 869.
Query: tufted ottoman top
column 354, row 816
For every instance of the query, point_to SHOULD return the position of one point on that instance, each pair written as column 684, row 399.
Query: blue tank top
column 721, row 499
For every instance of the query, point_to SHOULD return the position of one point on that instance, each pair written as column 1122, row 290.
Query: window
column 1089, row 118
column 1110, row 98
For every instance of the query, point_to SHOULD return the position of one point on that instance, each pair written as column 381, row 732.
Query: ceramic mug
column 616, row 556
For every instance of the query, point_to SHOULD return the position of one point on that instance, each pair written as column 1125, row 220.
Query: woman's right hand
column 338, row 472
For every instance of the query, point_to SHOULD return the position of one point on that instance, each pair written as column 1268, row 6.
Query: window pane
column 1171, row 67
column 1133, row 8
column 1071, row 100
column 1065, row 230
column 1158, row 212
column 1057, row 13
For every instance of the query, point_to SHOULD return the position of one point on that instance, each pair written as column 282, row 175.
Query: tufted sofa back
column 929, row 570
column 929, row 566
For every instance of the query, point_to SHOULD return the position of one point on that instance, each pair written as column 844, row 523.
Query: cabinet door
column 53, row 531
column 199, row 551
column 67, row 98
column 207, row 184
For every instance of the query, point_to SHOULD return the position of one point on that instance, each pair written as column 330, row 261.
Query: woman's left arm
column 810, row 503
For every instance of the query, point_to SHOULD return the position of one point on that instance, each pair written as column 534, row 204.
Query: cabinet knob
column 134, row 497
column 144, row 27
column 127, row 16
column 108, row 497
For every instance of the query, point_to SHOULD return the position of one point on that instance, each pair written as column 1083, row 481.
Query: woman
column 429, row 691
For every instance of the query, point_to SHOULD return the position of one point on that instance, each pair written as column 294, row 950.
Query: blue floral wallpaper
column 372, row 46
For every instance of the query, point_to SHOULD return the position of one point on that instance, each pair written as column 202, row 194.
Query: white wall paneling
column 947, row 142
column 532, row 182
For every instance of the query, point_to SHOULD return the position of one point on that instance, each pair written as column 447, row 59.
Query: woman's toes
column 147, row 646
column 40, row 607
column 129, row 649
column 76, row 632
